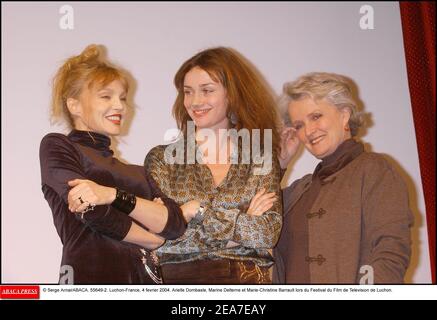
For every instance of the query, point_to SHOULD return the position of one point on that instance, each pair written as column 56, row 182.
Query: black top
column 92, row 244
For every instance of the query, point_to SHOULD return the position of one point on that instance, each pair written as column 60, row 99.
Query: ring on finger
column 90, row 207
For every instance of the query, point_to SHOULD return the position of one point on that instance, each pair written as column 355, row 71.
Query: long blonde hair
column 86, row 69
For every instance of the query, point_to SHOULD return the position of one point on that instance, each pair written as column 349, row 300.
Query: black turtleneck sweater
column 93, row 245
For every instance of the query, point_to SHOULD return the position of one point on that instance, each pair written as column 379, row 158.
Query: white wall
column 283, row 40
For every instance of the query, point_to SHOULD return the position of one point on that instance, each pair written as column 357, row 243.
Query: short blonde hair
column 334, row 88
column 77, row 72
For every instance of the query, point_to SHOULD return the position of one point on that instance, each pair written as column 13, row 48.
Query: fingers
column 232, row 244
column 267, row 205
column 77, row 191
column 268, row 197
column 81, row 203
column 158, row 200
column 288, row 143
column 75, row 205
column 260, row 197
column 73, row 202
column 261, row 203
column 80, row 197
column 287, row 133
column 74, row 195
column 81, row 207
column 290, row 133
column 82, row 194
column 254, row 200
column 291, row 137
column 260, row 210
column 84, row 207
column 75, row 182
column 187, row 212
column 286, row 130
column 189, row 209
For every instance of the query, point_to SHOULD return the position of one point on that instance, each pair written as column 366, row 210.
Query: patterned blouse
column 225, row 218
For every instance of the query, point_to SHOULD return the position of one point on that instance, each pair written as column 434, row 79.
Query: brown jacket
column 366, row 222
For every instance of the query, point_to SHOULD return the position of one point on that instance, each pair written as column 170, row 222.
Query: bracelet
column 200, row 213
column 124, row 202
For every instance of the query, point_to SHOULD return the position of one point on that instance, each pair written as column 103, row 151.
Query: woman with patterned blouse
column 240, row 216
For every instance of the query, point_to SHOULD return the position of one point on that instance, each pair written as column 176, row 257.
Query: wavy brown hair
column 249, row 99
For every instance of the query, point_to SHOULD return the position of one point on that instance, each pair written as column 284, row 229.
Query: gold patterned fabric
column 225, row 218
column 223, row 271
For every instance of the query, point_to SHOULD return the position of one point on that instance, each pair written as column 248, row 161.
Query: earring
column 233, row 118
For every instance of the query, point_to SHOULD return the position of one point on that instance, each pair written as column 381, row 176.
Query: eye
column 187, row 92
column 207, row 91
column 316, row 116
column 105, row 97
column 123, row 99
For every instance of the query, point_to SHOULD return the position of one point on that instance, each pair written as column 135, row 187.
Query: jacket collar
column 328, row 169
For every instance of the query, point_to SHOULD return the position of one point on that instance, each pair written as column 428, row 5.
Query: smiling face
column 205, row 100
column 100, row 109
column 320, row 126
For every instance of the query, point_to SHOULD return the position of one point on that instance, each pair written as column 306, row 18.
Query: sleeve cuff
column 176, row 224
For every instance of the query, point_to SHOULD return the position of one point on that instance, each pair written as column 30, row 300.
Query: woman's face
column 205, row 100
column 101, row 109
column 320, row 126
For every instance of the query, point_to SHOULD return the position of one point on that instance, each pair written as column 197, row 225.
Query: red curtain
column 418, row 26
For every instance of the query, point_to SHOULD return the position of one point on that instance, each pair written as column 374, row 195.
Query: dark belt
column 221, row 271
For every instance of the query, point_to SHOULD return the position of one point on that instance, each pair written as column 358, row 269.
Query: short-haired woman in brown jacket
column 349, row 221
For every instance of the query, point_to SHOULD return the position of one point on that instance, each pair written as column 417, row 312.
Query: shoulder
column 375, row 170
column 53, row 140
column 155, row 156
column 299, row 183
column 56, row 143
column 54, row 137
column 372, row 162
column 373, row 158
column 157, row 151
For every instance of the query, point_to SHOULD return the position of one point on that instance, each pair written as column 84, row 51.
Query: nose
column 309, row 129
column 197, row 100
column 119, row 105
